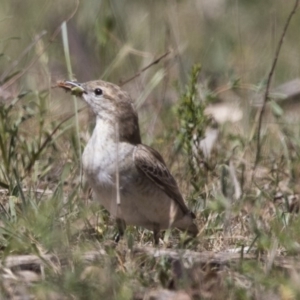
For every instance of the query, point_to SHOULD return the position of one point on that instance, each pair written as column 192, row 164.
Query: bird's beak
column 72, row 86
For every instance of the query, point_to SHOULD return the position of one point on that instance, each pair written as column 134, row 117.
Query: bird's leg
column 156, row 234
column 121, row 229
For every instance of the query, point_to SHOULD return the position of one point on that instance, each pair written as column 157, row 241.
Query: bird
column 130, row 179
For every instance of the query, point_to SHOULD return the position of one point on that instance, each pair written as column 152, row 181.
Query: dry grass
column 56, row 243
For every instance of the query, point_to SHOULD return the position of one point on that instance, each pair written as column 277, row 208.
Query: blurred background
column 233, row 41
column 112, row 40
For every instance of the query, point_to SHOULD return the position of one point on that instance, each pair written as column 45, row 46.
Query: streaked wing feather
column 151, row 163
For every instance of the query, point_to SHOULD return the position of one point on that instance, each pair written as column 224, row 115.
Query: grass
column 248, row 245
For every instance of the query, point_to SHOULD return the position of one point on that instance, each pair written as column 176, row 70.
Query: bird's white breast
column 141, row 201
column 101, row 159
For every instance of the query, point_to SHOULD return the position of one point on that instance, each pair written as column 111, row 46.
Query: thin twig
column 266, row 95
column 190, row 257
column 156, row 61
column 56, row 32
column 117, row 166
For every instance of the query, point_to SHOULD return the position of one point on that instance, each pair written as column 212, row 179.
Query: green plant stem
column 64, row 32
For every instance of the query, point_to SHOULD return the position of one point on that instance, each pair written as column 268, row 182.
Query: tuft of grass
column 192, row 124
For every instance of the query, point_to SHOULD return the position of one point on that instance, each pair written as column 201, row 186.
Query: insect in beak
column 71, row 86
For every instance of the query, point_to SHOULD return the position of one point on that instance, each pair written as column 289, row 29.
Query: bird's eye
column 98, row 92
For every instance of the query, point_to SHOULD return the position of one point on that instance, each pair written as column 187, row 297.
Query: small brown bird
column 129, row 179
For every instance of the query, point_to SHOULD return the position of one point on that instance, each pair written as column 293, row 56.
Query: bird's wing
column 150, row 162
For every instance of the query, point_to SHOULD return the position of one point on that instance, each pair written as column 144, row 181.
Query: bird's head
column 109, row 103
